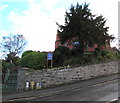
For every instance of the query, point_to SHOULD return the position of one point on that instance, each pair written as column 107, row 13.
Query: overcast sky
column 35, row 19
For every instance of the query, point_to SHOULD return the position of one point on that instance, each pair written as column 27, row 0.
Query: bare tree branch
column 12, row 45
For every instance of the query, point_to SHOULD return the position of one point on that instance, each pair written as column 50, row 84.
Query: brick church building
column 75, row 44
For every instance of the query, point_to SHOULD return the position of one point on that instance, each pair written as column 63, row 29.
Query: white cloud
column 4, row 1
column 109, row 9
column 37, row 26
column 58, row 15
column 2, row 7
column 37, row 23
column 49, row 4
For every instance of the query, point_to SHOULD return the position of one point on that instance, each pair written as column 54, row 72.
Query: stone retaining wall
column 57, row 76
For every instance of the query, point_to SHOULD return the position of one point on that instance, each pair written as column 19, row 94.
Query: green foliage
column 75, row 52
column 25, row 60
column 63, row 50
column 60, row 54
column 89, row 58
column 17, row 62
column 97, row 52
column 104, row 53
column 34, row 60
column 4, row 66
column 81, row 25
column 108, row 54
column 58, row 59
column 12, row 46
column 8, row 65
column 72, row 61
column 26, row 52
column 117, row 55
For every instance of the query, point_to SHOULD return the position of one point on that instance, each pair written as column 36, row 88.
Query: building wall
column 57, row 44
column 58, row 76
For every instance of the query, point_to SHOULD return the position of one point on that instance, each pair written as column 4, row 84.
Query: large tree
column 82, row 26
column 12, row 46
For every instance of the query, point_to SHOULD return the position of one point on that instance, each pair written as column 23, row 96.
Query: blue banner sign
column 49, row 56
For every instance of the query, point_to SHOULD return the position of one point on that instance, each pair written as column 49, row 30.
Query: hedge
column 34, row 60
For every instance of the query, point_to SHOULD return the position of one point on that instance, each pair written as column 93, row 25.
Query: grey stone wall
column 57, row 76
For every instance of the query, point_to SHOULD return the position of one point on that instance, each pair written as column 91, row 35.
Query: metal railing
column 9, row 81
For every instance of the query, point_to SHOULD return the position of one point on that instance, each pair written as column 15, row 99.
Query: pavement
column 9, row 96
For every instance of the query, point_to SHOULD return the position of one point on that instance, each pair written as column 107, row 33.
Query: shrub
column 63, row 50
column 104, row 53
column 75, row 52
column 11, row 66
column 117, row 55
column 34, row 60
column 4, row 66
column 108, row 54
column 88, row 58
column 58, row 58
column 72, row 61
column 27, row 52
column 25, row 60
column 16, row 61
column 60, row 54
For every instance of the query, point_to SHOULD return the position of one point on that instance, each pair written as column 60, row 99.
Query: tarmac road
column 102, row 92
column 99, row 89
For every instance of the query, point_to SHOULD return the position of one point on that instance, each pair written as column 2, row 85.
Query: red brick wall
column 57, row 44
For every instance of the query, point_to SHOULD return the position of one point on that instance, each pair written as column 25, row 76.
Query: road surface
column 100, row 89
